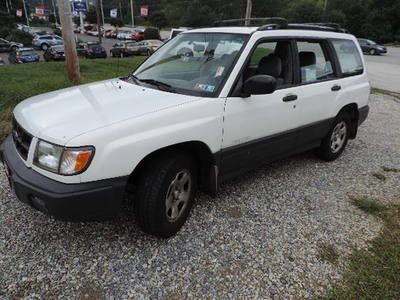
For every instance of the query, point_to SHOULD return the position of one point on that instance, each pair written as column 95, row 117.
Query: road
column 384, row 70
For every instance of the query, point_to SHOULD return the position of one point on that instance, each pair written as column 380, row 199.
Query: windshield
column 371, row 42
column 194, row 63
column 27, row 52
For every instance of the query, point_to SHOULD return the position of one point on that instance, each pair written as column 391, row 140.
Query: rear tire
column 333, row 145
column 165, row 194
column 44, row 47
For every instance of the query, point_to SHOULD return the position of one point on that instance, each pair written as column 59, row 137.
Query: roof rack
column 274, row 22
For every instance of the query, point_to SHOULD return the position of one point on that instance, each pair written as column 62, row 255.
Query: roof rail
column 317, row 26
column 272, row 21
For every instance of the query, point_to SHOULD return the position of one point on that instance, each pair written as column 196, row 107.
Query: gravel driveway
column 260, row 238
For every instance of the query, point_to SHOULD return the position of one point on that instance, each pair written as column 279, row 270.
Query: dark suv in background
column 371, row 47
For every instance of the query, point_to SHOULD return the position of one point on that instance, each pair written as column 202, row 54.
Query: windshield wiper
column 161, row 85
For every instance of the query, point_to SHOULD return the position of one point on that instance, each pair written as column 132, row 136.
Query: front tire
column 333, row 145
column 44, row 47
column 165, row 195
column 372, row 52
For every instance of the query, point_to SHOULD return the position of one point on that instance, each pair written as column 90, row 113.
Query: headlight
column 62, row 160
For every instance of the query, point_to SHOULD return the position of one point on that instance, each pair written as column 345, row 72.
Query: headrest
column 307, row 58
column 270, row 65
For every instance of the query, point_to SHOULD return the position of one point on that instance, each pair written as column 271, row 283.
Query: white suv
column 206, row 106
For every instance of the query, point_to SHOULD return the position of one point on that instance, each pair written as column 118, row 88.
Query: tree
column 305, row 11
column 91, row 15
column 116, row 22
column 158, row 19
column 52, row 18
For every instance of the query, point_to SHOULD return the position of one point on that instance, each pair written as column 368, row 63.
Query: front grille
column 22, row 139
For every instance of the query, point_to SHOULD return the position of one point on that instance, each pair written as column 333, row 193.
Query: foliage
column 20, row 36
column 117, row 22
column 158, row 19
column 6, row 20
column 151, row 34
column 76, row 20
column 38, row 78
column 52, row 18
column 374, row 19
column 374, row 273
column 4, row 32
column 91, row 15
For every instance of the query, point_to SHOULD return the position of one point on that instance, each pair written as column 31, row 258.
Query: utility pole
column 26, row 14
column 54, row 11
column 8, row 9
column 133, row 21
column 102, row 11
column 249, row 7
column 71, row 57
column 98, row 19
column 325, row 6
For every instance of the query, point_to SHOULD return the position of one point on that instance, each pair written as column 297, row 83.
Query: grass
column 368, row 205
column 328, row 252
column 379, row 176
column 394, row 95
column 18, row 82
column 392, row 170
column 373, row 273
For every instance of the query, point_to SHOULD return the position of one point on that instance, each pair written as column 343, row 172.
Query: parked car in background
column 125, row 35
column 45, row 41
column 95, row 51
column 6, row 46
column 123, row 49
column 129, row 48
column 54, row 53
column 371, row 47
column 152, row 45
column 175, row 31
column 110, row 34
column 138, row 34
column 23, row 55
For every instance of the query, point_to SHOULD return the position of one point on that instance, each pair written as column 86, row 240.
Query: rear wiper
column 161, row 85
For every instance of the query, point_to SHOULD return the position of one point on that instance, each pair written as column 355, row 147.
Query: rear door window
column 349, row 57
column 314, row 61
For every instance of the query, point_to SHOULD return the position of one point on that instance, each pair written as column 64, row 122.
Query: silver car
column 45, row 41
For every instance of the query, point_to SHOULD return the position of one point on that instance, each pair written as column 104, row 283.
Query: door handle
column 290, row 97
column 336, row 88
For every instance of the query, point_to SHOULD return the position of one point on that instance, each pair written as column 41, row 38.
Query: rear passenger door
column 318, row 86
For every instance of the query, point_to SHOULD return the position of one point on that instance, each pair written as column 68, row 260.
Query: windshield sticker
column 220, row 71
column 205, row 87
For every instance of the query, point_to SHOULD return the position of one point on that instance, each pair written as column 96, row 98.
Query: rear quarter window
column 349, row 57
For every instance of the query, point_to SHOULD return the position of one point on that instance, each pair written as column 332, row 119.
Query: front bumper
column 90, row 201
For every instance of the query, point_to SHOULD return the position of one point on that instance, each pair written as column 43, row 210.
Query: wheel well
column 200, row 152
column 352, row 110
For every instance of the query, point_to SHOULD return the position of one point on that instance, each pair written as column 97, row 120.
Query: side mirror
column 259, row 85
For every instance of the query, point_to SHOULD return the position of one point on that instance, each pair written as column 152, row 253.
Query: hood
column 64, row 114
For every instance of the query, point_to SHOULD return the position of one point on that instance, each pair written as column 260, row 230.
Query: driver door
column 260, row 128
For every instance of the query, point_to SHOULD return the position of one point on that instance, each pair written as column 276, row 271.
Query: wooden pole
column 71, row 57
